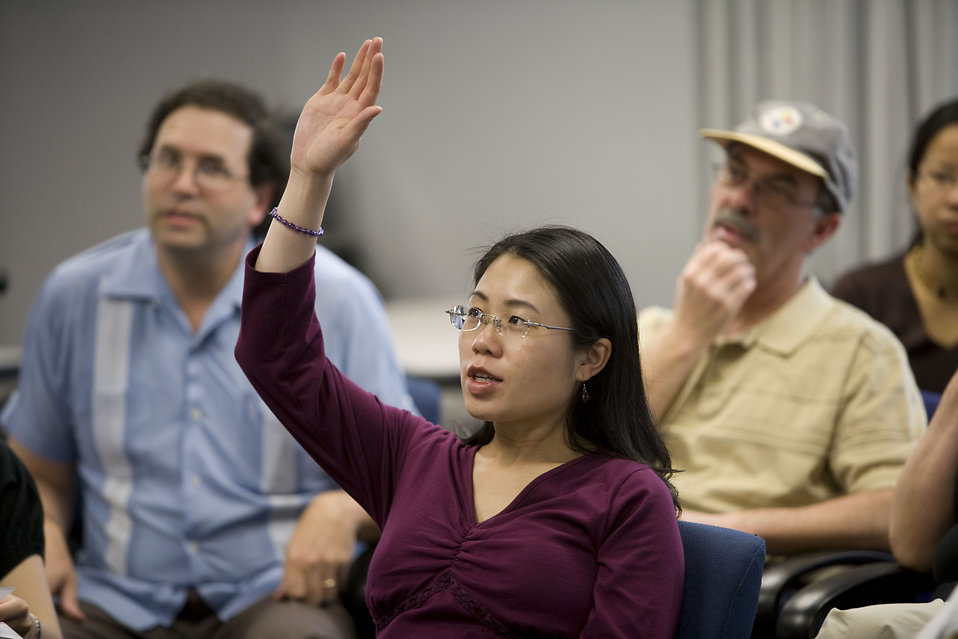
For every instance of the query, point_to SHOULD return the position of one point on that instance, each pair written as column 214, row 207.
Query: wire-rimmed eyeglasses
column 209, row 173
column 774, row 192
column 470, row 318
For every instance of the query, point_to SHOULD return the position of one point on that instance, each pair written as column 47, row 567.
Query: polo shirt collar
column 790, row 325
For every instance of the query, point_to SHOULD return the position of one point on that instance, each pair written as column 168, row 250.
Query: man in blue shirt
column 201, row 516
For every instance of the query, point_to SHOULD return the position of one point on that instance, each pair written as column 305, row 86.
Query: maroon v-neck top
column 588, row 549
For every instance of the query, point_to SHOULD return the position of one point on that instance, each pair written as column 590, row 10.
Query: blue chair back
column 427, row 396
column 931, row 400
column 723, row 574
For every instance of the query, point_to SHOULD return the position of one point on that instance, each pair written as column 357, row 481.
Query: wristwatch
column 35, row 631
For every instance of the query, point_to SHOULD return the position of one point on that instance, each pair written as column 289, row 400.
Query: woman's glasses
column 470, row 318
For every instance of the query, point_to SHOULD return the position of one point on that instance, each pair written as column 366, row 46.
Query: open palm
column 335, row 117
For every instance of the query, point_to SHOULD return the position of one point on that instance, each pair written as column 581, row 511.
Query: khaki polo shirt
column 816, row 402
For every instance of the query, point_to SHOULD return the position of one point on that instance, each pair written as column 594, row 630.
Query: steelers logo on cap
column 781, row 120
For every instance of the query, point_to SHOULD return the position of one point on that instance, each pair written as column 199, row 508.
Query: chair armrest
column 781, row 580
column 876, row 583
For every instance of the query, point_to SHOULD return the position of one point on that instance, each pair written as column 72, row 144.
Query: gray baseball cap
column 804, row 136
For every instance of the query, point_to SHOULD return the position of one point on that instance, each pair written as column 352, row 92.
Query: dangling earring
column 585, row 394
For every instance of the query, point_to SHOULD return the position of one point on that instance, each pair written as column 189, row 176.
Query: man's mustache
column 738, row 222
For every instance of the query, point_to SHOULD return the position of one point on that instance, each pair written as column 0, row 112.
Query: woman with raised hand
column 557, row 517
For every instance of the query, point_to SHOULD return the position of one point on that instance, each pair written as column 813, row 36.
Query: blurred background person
column 201, row 516
column 923, row 534
column 915, row 293
column 30, row 611
column 791, row 413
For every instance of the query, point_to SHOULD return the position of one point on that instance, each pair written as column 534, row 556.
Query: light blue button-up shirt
column 187, row 479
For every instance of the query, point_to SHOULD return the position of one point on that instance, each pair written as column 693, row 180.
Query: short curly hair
column 267, row 162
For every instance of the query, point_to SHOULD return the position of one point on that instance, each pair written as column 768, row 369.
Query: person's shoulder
column 340, row 282
column 609, row 470
column 871, row 276
column 654, row 312
column 845, row 317
column 652, row 319
column 98, row 260
column 875, row 266
column 74, row 283
column 621, row 482
column 332, row 269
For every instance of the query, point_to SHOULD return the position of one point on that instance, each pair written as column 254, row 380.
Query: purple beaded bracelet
column 295, row 227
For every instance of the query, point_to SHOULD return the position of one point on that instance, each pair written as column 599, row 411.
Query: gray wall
column 497, row 116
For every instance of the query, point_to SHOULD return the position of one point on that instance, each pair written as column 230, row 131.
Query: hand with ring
column 320, row 551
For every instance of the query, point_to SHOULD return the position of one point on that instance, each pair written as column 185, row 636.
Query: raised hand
column 327, row 133
column 335, row 117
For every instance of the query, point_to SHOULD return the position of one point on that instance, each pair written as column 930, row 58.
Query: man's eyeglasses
column 940, row 180
column 209, row 173
column 470, row 318
column 774, row 192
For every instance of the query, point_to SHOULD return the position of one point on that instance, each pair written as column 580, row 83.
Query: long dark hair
column 943, row 115
column 595, row 293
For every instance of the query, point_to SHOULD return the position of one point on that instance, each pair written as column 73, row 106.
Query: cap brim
column 766, row 145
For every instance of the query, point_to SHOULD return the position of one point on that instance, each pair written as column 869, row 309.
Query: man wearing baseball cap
column 790, row 412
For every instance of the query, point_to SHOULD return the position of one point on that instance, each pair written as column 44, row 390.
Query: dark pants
column 266, row 618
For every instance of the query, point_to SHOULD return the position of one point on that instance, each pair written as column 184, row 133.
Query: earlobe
column 594, row 359
column 825, row 227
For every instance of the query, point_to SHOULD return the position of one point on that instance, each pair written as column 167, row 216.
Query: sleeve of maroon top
column 638, row 587
column 347, row 430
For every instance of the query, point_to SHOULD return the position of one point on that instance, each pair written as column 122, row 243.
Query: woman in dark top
column 916, row 294
column 557, row 518
column 21, row 552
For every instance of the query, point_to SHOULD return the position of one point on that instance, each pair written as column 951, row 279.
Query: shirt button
column 196, row 480
column 196, row 413
column 194, row 546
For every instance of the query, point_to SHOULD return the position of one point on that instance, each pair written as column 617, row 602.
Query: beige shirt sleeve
column 882, row 416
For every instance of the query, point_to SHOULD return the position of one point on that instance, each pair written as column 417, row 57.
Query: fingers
column 358, row 125
column 365, row 73
column 61, row 573
column 355, row 69
column 712, row 288
column 718, row 265
column 69, row 604
column 310, row 586
column 370, row 78
column 315, row 591
column 15, row 613
column 372, row 81
column 335, row 71
column 362, row 69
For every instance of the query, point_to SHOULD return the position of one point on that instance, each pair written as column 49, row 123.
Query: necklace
column 915, row 257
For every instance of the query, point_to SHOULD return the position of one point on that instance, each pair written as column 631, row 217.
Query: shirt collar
column 137, row 275
column 790, row 325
